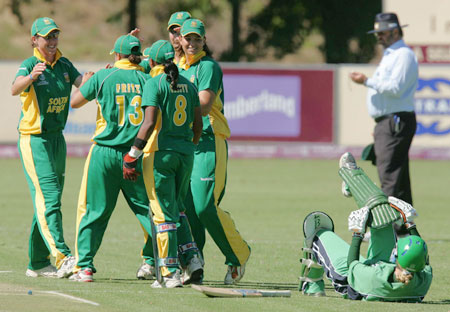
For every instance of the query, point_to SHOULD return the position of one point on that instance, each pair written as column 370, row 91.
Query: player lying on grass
column 396, row 268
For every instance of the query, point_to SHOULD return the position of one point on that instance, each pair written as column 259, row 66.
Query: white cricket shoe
column 84, row 275
column 65, row 270
column 347, row 161
column 146, row 272
column 193, row 274
column 171, row 281
column 48, row 271
column 234, row 274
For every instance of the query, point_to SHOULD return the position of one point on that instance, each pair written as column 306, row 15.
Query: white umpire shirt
column 392, row 87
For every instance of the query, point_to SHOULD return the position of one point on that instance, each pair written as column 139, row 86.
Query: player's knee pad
column 314, row 222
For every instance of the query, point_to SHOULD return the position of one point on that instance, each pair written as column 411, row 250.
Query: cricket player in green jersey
column 118, row 92
column 44, row 83
column 397, row 266
column 174, row 26
column 208, row 180
column 145, row 62
column 172, row 127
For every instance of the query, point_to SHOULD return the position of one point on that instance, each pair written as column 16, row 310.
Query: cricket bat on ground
column 240, row 292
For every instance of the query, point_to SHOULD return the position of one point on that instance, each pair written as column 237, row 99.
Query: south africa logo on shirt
column 66, row 77
column 192, row 78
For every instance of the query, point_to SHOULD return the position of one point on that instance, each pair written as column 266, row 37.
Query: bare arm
column 77, row 99
column 207, row 98
column 198, row 125
column 23, row 82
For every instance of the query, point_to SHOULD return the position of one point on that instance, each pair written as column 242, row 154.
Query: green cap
column 412, row 253
column 193, row 26
column 127, row 44
column 43, row 26
column 161, row 51
column 178, row 18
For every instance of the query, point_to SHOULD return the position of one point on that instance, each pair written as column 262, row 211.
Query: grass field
column 267, row 198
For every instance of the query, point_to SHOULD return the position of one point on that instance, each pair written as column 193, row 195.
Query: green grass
column 267, row 198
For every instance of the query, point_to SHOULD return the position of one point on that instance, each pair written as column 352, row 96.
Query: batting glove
column 407, row 211
column 357, row 220
column 129, row 168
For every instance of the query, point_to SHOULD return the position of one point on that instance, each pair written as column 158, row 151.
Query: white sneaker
column 234, row 274
column 84, row 275
column 171, row 281
column 146, row 272
column 66, row 267
column 48, row 271
column 193, row 274
column 347, row 161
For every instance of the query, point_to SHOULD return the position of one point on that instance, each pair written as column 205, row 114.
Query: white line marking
column 5, row 271
column 71, row 297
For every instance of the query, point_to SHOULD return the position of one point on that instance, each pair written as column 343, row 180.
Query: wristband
column 357, row 234
column 31, row 77
column 139, row 143
column 134, row 152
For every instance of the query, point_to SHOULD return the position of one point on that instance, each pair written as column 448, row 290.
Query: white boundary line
column 70, row 297
column 5, row 271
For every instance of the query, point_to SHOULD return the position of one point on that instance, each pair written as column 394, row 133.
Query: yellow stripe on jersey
column 100, row 123
column 240, row 248
column 30, row 123
column 217, row 120
column 82, row 198
column 39, row 200
column 152, row 143
column 158, row 215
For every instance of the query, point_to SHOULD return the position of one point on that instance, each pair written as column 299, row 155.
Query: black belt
column 399, row 114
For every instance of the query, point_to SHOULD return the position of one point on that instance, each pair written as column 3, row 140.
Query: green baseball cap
column 412, row 253
column 161, row 51
column 177, row 19
column 43, row 26
column 127, row 44
column 193, row 26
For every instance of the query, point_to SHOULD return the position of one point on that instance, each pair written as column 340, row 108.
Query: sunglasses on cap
column 52, row 35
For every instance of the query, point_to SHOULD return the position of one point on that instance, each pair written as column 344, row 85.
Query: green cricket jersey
column 176, row 113
column 205, row 73
column 118, row 91
column 45, row 103
column 374, row 281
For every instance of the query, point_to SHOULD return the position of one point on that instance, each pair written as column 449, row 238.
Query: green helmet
column 412, row 253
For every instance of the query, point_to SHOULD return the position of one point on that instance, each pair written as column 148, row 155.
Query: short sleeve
column 90, row 88
column 209, row 76
column 150, row 96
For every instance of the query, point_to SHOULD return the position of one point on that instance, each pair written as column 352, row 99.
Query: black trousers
column 393, row 136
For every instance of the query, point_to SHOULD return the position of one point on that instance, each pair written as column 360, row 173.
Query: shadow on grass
column 445, row 301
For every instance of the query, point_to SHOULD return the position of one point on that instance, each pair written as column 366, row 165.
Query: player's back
column 119, row 95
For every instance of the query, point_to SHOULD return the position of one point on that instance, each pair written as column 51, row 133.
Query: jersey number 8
column 180, row 115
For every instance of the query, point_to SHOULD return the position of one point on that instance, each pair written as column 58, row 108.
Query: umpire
column 390, row 101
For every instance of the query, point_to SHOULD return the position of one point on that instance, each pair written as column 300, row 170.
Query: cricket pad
column 366, row 193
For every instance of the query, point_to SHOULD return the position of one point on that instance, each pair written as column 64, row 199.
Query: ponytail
column 172, row 74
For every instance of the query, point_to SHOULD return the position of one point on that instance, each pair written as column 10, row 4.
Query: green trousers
column 100, row 187
column 166, row 176
column 44, row 163
column 207, row 187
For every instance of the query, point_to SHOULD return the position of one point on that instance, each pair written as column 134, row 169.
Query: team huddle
column 160, row 139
